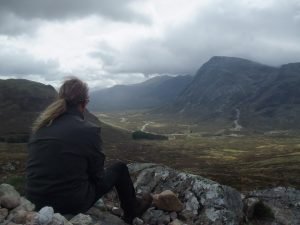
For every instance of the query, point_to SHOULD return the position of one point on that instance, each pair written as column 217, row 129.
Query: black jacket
column 65, row 162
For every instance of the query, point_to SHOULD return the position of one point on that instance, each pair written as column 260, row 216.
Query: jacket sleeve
column 95, row 156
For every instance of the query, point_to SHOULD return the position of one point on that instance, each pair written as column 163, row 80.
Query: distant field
column 244, row 162
column 160, row 124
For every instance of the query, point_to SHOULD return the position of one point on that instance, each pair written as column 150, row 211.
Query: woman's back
column 58, row 167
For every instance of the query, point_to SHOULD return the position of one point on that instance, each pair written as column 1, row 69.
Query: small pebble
column 137, row 221
column 173, row 215
column 117, row 211
column 3, row 214
column 20, row 217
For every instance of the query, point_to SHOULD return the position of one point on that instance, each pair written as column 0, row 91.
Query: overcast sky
column 112, row 42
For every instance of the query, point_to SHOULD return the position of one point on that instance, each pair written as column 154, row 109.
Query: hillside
column 224, row 88
column 151, row 93
column 22, row 100
column 276, row 106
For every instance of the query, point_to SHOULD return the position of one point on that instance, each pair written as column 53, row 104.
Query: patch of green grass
column 18, row 182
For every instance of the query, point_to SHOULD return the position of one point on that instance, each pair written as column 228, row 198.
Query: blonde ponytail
column 73, row 92
column 51, row 112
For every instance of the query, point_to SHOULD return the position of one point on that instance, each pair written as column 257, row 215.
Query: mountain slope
column 151, row 93
column 220, row 85
column 225, row 88
column 278, row 105
column 22, row 100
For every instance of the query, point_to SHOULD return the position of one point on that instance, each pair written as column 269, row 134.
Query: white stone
column 45, row 215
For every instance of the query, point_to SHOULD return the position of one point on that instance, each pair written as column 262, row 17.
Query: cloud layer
column 113, row 42
column 66, row 9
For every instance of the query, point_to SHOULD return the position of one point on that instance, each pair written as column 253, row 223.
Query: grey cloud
column 105, row 53
column 12, row 25
column 259, row 34
column 63, row 9
column 268, row 35
column 23, row 17
column 19, row 63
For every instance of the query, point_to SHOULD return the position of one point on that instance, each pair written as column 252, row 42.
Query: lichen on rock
column 194, row 200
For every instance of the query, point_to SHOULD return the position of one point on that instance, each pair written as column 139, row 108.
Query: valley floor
column 245, row 162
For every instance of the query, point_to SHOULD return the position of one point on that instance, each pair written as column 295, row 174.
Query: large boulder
column 9, row 197
column 204, row 201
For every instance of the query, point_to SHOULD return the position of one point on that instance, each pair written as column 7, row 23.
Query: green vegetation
column 20, row 103
column 18, row 182
column 244, row 161
column 138, row 135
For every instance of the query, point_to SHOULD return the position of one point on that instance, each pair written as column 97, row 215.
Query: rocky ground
column 179, row 198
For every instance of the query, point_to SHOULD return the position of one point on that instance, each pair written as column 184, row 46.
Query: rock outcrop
column 205, row 201
column 278, row 205
column 179, row 198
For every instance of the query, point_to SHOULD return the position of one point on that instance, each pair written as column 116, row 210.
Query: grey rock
column 249, row 206
column 9, row 197
column 9, row 167
column 45, row 215
column 117, row 211
column 283, row 203
column 69, row 216
column 3, row 214
column 152, row 216
column 165, row 219
column 100, row 204
column 32, row 218
column 24, row 205
column 12, row 223
column 106, row 218
column 176, row 222
column 137, row 221
column 19, row 217
column 173, row 215
column 205, row 201
column 58, row 219
column 94, row 212
column 192, row 204
column 81, row 219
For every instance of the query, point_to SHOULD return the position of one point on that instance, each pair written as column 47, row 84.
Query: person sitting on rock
column 65, row 167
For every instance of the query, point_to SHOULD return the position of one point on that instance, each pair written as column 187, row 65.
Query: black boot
column 143, row 202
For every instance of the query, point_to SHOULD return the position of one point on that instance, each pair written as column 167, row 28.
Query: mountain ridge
column 224, row 84
column 22, row 100
column 148, row 94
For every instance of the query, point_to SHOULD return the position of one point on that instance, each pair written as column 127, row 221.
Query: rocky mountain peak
column 228, row 59
column 233, row 65
column 290, row 70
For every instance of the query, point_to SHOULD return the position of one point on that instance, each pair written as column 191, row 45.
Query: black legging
column 117, row 175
